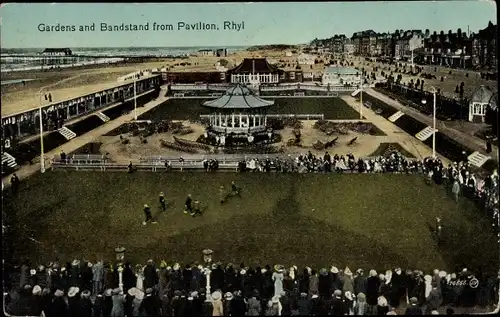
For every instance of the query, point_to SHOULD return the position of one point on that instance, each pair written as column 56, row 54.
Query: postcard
column 229, row 146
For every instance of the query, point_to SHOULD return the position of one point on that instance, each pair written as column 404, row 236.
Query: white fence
column 283, row 116
column 281, row 87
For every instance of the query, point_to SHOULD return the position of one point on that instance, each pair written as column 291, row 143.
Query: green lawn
column 190, row 109
column 367, row 221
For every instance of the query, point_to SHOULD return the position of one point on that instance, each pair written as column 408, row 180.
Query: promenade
column 469, row 141
column 78, row 142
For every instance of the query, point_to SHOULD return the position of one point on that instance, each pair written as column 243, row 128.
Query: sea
column 10, row 63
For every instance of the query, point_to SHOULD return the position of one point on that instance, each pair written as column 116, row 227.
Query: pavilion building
column 482, row 99
column 339, row 76
column 254, row 71
column 238, row 111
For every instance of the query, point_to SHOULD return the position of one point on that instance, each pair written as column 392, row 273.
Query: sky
column 264, row 23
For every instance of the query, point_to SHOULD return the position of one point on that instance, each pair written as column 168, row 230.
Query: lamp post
column 361, row 98
column 135, row 96
column 433, row 120
column 42, row 158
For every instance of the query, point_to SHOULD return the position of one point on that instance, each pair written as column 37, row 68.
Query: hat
column 347, row 271
column 413, row 300
column 275, row 300
column 149, row 291
column 194, row 294
column 176, row 267
column 161, row 194
column 359, row 271
column 348, row 295
column 216, row 295
column 243, row 272
column 32, row 271
column 323, row 272
column 177, row 293
column 146, row 206
column 108, row 292
column 59, row 293
column 75, row 262
column 434, row 312
column 163, row 264
column 373, row 273
column 442, row 274
column 278, row 268
column 303, row 294
column 85, row 294
column 132, row 291
column 73, row 291
column 228, row 296
column 337, row 293
column 334, row 270
column 37, row 290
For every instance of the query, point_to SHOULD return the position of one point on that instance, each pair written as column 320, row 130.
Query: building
column 365, row 43
column 238, row 111
column 480, row 101
column 193, row 77
column 254, row 71
column 206, row 52
column 338, row 43
column 452, row 49
column 348, row 47
column 341, row 76
column 306, row 59
column 407, row 44
column 221, row 52
column 57, row 52
column 484, row 46
column 384, row 46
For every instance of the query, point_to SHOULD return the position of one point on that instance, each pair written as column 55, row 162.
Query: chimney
column 253, row 66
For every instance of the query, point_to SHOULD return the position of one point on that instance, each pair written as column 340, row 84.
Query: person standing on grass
column 235, row 191
column 196, row 208
column 163, row 202
column 147, row 213
column 188, row 206
column 439, row 228
column 222, row 195
column 14, row 182
column 455, row 190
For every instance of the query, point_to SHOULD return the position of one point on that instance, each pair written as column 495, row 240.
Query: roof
column 341, row 70
column 52, row 50
column 254, row 65
column 482, row 95
column 238, row 97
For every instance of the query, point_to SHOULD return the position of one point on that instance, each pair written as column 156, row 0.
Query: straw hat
column 73, row 291
column 348, row 295
column 59, row 293
column 32, row 272
column 108, row 292
column 334, row 270
column 85, row 294
column 37, row 290
column 228, row 296
column 216, row 295
column 75, row 262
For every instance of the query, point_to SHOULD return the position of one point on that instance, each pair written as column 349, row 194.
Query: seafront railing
column 280, row 87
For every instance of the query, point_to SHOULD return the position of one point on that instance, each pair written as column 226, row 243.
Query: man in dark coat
column 84, row 305
column 434, row 300
column 98, row 308
column 413, row 309
column 26, row 304
column 151, row 305
column 359, row 282
column 304, row 305
column 216, row 277
column 372, row 289
column 324, row 284
column 58, row 306
column 337, row 306
column 238, row 305
column 286, row 304
column 150, row 276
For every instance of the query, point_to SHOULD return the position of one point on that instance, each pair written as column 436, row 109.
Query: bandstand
column 238, row 111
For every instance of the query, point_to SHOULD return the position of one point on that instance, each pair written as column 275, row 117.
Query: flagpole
column 135, row 97
column 42, row 158
column 361, row 99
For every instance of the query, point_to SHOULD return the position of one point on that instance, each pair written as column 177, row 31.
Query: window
column 292, row 75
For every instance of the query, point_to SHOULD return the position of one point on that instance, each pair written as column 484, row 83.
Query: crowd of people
column 82, row 288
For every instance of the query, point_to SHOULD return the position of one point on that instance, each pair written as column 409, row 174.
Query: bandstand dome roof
column 482, row 95
column 238, row 97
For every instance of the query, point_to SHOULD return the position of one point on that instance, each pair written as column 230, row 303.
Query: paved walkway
column 80, row 141
column 469, row 141
column 394, row 133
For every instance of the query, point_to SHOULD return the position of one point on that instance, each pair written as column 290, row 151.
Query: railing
column 279, row 116
column 280, row 87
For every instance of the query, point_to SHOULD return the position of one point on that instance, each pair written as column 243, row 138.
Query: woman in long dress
column 278, row 281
